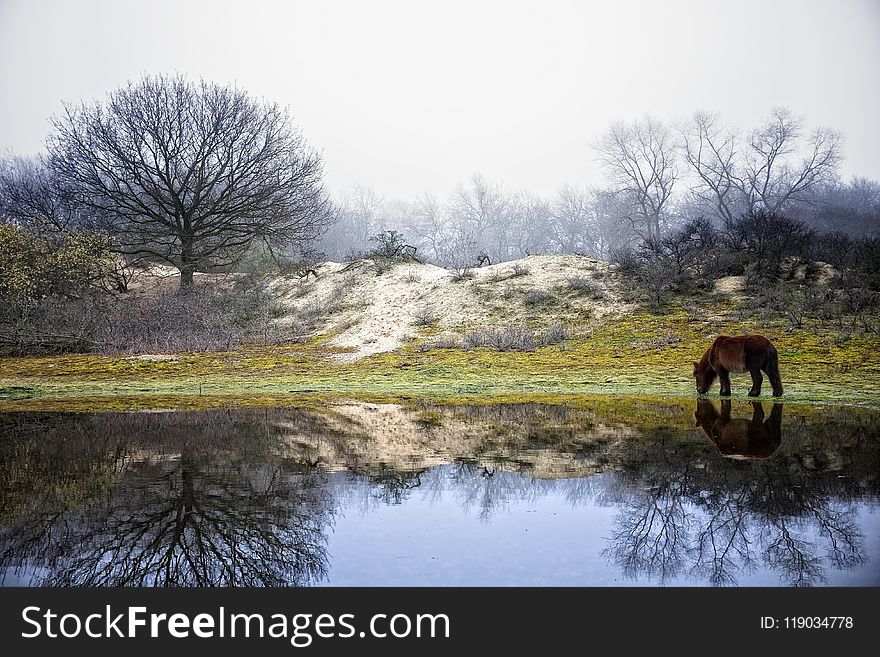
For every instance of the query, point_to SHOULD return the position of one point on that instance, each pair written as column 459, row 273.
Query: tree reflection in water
column 715, row 519
column 247, row 498
column 196, row 500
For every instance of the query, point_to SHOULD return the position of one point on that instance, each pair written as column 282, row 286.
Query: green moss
column 640, row 355
column 18, row 392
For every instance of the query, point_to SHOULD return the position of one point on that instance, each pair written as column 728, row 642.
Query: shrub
column 459, row 274
column 445, row 342
column 765, row 241
column 582, row 286
column 626, row 261
column 513, row 338
column 35, row 267
column 682, row 262
column 424, row 316
column 460, row 254
column 510, row 338
column 392, row 245
column 203, row 318
column 535, row 298
column 556, row 334
column 382, row 264
column 867, row 262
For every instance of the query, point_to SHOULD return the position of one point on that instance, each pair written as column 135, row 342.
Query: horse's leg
column 773, row 372
column 757, row 380
column 757, row 431
column 774, row 424
column 724, row 378
column 757, row 413
column 772, row 369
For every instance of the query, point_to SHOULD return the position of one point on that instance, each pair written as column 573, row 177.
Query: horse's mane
column 706, row 369
column 703, row 363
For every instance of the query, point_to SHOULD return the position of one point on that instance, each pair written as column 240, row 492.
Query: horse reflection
column 741, row 438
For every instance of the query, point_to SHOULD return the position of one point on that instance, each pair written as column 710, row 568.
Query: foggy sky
column 413, row 96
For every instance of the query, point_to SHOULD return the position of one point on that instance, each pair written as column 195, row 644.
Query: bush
column 33, row 267
column 389, row 248
column 582, row 286
column 383, row 264
column 391, row 244
column 626, row 260
column 766, row 241
column 460, row 255
column 513, row 338
column 424, row 317
column 866, row 262
column 204, row 318
column 683, row 262
column 535, row 298
column 556, row 334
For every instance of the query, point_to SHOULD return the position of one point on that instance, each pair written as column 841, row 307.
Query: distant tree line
column 658, row 178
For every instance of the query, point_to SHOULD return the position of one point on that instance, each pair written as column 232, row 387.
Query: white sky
column 416, row 96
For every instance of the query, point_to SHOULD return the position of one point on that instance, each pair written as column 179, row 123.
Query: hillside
column 370, row 312
column 415, row 331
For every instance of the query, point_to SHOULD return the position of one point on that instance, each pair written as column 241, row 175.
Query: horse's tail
column 773, row 371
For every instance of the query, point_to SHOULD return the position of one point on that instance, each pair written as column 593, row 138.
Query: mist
column 413, row 98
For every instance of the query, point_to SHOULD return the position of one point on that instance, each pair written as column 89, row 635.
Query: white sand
column 372, row 313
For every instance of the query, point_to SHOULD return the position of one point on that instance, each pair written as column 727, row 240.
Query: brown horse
column 740, row 437
column 738, row 354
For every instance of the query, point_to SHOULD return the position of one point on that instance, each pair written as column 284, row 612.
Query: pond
column 599, row 492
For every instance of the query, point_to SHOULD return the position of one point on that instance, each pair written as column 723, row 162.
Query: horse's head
column 705, row 376
column 705, row 416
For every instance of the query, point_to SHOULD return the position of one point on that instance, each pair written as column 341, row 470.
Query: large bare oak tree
column 191, row 174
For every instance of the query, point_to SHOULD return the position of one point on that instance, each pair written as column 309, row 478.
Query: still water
column 601, row 493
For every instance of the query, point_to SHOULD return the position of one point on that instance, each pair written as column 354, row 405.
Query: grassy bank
column 638, row 354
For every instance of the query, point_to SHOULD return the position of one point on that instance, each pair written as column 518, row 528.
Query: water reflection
column 715, row 520
column 756, row 438
column 162, row 500
column 251, row 498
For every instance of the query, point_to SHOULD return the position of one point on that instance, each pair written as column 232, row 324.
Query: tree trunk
column 187, row 263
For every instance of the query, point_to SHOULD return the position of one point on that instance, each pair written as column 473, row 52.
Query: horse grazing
column 738, row 354
column 740, row 438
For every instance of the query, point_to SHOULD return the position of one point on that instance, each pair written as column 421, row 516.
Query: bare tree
column 525, row 231
column 572, row 222
column 361, row 214
column 640, row 158
column 190, row 174
column 711, row 154
column 772, row 167
column 613, row 228
column 481, row 212
column 33, row 198
column 428, row 222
